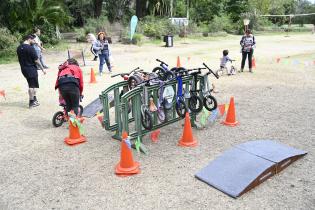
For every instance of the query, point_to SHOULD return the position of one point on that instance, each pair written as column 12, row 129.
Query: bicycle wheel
column 146, row 120
column 168, row 75
column 58, row 119
column 159, row 71
column 133, row 81
column 195, row 103
column 161, row 114
column 181, row 108
column 80, row 110
column 210, row 102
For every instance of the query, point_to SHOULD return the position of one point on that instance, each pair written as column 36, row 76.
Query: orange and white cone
column 126, row 165
column 187, row 139
column 230, row 116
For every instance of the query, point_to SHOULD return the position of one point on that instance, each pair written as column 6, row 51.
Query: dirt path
column 37, row 170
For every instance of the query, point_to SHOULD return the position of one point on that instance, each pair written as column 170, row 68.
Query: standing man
column 38, row 47
column 247, row 43
column 28, row 60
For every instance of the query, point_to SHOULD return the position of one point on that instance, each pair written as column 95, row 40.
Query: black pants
column 71, row 94
column 244, row 56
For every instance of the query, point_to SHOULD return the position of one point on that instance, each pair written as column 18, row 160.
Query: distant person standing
column 28, row 60
column 247, row 43
column 92, row 39
column 102, row 46
column 38, row 46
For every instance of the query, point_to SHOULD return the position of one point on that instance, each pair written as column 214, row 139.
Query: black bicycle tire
column 190, row 104
column 206, row 104
column 182, row 115
column 168, row 75
column 149, row 117
column 160, row 72
column 54, row 119
column 133, row 77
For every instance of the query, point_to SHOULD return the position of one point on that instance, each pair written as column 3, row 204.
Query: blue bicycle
column 181, row 107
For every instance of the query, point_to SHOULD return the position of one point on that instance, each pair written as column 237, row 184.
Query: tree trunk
column 98, row 8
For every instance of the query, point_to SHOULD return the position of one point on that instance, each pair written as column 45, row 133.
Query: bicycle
column 62, row 116
column 146, row 113
column 209, row 101
column 181, row 107
column 194, row 101
column 230, row 69
column 163, row 71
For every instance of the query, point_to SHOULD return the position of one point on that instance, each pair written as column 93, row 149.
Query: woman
column 102, row 46
column 248, row 43
column 70, row 84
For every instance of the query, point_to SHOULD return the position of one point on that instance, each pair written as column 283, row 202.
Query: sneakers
column 250, row 70
column 242, row 70
column 33, row 104
column 100, row 74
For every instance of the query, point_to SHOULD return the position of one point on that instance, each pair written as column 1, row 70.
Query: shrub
column 157, row 27
column 8, row 43
column 48, row 35
column 222, row 23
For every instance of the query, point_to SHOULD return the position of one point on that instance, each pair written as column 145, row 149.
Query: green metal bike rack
column 125, row 121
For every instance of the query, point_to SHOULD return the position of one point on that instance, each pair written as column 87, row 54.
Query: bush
column 157, row 27
column 92, row 25
column 8, row 43
column 48, row 34
column 222, row 23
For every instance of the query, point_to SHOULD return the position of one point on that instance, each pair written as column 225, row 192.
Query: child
column 224, row 61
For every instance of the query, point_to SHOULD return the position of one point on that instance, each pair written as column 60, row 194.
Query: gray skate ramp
column 280, row 154
column 95, row 106
column 247, row 165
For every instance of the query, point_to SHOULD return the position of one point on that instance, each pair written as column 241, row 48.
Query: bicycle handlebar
column 123, row 74
column 162, row 62
column 210, row 71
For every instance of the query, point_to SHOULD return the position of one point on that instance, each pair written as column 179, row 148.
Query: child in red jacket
column 70, row 84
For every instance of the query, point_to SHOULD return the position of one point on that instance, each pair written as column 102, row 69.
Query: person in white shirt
column 92, row 39
column 38, row 47
column 248, row 44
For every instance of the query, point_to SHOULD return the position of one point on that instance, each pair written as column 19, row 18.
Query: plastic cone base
column 192, row 143
column 230, row 124
column 75, row 141
column 127, row 171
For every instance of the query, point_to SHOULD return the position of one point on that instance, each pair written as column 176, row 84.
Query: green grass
column 6, row 59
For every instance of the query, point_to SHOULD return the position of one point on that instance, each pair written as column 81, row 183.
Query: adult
column 38, row 46
column 92, row 39
column 102, row 46
column 29, row 61
column 70, row 84
column 247, row 43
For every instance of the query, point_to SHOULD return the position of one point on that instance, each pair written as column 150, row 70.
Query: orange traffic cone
column 100, row 118
column 126, row 165
column 253, row 63
column 178, row 62
column 74, row 135
column 187, row 139
column 155, row 135
column 2, row 93
column 230, row 116
column 92, row 80
column 221, row 109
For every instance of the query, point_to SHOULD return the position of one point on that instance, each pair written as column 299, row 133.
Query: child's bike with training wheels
column 62, row 116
